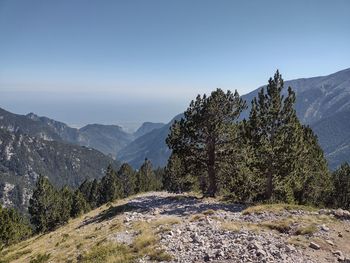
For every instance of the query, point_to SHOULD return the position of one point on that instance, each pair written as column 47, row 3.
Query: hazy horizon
column 116, row 62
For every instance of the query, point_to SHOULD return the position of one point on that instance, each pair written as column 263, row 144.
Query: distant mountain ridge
column 322, row 102
column 151, row 145
column 108, row 139
column 146, row 127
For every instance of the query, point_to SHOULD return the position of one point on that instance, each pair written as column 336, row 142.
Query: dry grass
column 89, row 242
column 64, row 244
column 40, row 258
column 299, row 241
column 236, row 226
column 196, row 217
column 275, row 208
column 299, row 225
column 146, row 243
column 116, row 253
column 282, row 226
column 14, row 256
column 209, row 212
column 168, row 220
column 306, row 230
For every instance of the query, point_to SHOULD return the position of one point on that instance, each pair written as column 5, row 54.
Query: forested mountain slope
column 24, row 157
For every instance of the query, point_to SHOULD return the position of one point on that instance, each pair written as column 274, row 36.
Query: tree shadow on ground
column 178, row 205
column 109, row 213
column 182, row 205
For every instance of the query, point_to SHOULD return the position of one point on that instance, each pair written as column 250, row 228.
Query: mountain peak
column 147, row 127
column 32, row 116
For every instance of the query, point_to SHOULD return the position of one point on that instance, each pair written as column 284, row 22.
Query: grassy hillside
column 91, row 238
column 162, row 227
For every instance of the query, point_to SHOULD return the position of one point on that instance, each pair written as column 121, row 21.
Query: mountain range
column 31, row 145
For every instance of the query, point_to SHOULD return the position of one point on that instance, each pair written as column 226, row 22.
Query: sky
column 125, row 62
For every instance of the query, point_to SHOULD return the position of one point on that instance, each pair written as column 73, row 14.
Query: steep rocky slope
column 23, row 158
column 162, row 227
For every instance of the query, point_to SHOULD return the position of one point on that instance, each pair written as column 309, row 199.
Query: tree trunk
column 269, row 186
column 212, row 188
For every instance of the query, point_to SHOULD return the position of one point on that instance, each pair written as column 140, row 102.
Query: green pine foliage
column 341, row 187
column 127, row 176
column 201, row 138
column 176, row 179
column 85, row 190
column 49, row 207
column 91, row 192
column 44, row 206
column 146, row 179
column 269, row 157
column 240, row 179
column 79, row 205
column 286, row 153
column 13, row 227
column 65, row 202
column 110, row 187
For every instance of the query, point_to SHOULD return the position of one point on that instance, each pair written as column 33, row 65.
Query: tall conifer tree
column 44, row 206
column 127, row 176
column 201, row 138
column 286, row 153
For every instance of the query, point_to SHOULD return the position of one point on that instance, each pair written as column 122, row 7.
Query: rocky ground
column 163, row 227
column 202, row 230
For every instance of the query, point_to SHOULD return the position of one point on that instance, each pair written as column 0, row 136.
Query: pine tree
column 91, row 192
column 176, row 178
column 65, row 200
column 158, row 179
column 285, row 151
column 145, row 178
column 110, row 187
column 13, row 227
column 240, row 181
column 128, row 178
column 311, row 179
column 79, row 205
column 341, row 190
column 201, row 140
column 85, row 189
column 44, row 206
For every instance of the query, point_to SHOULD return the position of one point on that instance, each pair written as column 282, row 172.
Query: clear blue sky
column 133, row 61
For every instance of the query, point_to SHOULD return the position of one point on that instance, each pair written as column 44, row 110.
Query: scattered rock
column 330, row 242
column 290, row 248
column 325, row 228
column 342, row 214
column 260, row 252
column 208, row 240
column 314, row 245
column 337, row 253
